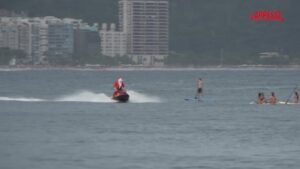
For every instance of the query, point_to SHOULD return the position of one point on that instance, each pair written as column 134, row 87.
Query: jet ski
column 120, row 96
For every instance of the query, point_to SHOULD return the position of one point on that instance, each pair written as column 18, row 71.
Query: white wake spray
column 136, row 97
column 88, row 96
column 21, row 99
column 85, row 96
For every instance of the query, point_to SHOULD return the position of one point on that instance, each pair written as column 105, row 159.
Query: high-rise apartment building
column 60, row 41
column 26, row 34
column 86, row 42
column 9, row 34
column 33, row 35
column 113, row 43
column 49, row 39
column 146, row 24
column 25, row 38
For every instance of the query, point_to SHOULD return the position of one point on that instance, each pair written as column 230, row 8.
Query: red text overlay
column 266, row 15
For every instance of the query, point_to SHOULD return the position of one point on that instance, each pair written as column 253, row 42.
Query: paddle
column 291, row 94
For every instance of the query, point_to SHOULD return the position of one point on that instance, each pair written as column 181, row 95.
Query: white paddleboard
column 280, row 102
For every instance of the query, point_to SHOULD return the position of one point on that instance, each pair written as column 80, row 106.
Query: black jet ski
column 121, row 96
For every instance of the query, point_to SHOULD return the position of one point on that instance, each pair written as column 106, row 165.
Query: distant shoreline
column 139, row 67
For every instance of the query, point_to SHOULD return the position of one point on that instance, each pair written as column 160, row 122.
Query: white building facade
column 9, row 34
column 113, row 43
column 146, row 24
column 25, row 37
column 143, row 32
column 27, row 34
column 42, row 39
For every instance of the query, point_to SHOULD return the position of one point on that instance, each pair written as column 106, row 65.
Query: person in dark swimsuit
column 296, row 97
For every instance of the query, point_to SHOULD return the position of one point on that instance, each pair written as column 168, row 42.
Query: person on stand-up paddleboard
column 199, row 89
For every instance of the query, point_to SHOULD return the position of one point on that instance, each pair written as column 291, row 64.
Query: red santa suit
column 118, row 86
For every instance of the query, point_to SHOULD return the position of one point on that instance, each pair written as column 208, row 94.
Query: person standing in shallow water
column 199, row 89
column 272, row 99
column 260, row 98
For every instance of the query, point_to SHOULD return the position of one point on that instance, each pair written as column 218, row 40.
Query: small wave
column 14, row 69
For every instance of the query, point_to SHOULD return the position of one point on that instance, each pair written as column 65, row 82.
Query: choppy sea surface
column 65, row 119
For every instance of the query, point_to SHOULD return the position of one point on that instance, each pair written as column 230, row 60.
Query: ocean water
column 65, row 119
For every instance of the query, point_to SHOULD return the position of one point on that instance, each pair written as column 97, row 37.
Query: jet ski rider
column 118, row 85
